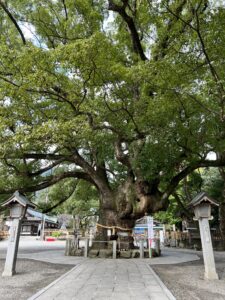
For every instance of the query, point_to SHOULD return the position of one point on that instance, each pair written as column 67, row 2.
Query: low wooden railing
column 4, row 234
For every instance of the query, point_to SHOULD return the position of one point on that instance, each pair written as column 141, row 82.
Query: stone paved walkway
column 98, row 278
column 107, row 279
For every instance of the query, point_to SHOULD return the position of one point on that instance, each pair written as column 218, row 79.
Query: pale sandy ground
column 30, row 278
column 186, row 280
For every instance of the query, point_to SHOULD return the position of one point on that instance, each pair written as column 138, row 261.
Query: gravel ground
column 30, row 278
column 186, row 280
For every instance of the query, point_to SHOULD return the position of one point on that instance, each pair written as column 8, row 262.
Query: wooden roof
column 19, row 198
column 37, row 215
column 202, row 197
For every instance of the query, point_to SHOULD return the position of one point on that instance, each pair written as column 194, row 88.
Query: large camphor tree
column 127, row 95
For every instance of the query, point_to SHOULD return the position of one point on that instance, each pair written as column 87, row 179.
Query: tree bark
column 222, row 206
column 222, row 219
column 222, row 203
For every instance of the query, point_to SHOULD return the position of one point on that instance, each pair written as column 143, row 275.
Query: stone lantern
column 202, row 209
column 17, row 205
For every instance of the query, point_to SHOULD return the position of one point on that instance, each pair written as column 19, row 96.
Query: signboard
column 150, row 227
column 150, row 234
column 140, row 233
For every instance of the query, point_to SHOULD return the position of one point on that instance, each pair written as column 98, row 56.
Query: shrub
column 56, row 234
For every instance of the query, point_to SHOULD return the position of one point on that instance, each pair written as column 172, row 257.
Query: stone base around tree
column 72, row 249
column 108, row 253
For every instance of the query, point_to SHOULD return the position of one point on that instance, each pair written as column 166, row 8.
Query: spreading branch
column 164, row 43
column 62, row 200
column 189, row 169
column 121, row 156
column 182, row 206
column 100, row 182
column 121, row 10
column 213, row 71
column 65, row 9
column 49, row 181
column 6, row 10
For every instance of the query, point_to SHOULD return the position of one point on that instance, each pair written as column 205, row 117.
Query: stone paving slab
column 95, row 279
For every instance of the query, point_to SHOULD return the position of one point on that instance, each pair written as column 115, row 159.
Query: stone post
column 18, row 205
column 11, row 256
column 157, row 246
column 42, row 237
column 68, row 246
column 202, row 208
column 209, row 262
column 86, row 246
column 114, row 249
column 141, row 249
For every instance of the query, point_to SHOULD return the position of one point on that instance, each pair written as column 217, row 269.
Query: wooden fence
column 192, row 239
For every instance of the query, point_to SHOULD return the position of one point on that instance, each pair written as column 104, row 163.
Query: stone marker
column 18, row 205
column 202, row 209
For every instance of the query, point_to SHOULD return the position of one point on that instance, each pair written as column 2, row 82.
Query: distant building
column 34, row 219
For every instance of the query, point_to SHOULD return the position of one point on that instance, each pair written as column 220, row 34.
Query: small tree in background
column 75, row 202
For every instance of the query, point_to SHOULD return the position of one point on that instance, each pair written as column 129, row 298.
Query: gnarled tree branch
column 121, row 156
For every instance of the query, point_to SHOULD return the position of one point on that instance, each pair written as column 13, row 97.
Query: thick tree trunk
column 222, row 206
column 109, row 220
column 222, row 219
column 120, row 209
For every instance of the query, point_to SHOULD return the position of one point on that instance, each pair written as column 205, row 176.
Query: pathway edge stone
column 42, row 291
column 162, row 285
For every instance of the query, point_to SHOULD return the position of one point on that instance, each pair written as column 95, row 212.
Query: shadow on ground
column 186, row 280
column 31, row 277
